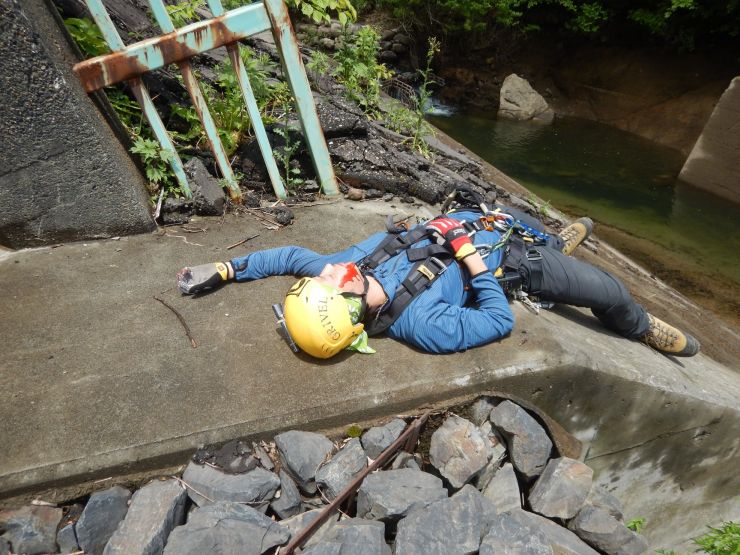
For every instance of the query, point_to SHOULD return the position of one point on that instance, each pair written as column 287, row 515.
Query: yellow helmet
column 317, row 318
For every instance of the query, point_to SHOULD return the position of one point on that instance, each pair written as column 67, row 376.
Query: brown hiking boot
column 667, row 339
column 575, row 234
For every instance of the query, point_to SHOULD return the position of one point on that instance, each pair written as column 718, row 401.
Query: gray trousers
column 562, row 279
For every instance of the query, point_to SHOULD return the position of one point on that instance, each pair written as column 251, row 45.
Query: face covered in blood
column 344, row 276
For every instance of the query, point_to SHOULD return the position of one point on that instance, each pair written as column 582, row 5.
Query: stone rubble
column 465, row 492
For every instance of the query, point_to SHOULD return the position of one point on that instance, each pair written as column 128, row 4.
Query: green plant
column 319, row 10
column 156, row 162
column 421, row 129
column 636, row 524
column 358, row 69
column 666, row 552
column 354, row 431
column 543, row 209
column 319, row 62
column 724, row 540
column 284, row 154
column 184, row 12
column 88, row 37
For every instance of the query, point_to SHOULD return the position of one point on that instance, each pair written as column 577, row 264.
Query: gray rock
column 343, row 467
column 226, row 527
column 562, row 488
column 601, row 530
column 378, row 438
column 154, row 511
column 562, row 541
column 507, row 535
column 392, row 494
column 527, row 442
column 327, row 43
column 324, row 548
column 481, row 409
column 176, row 211
column 262, row 455
column 402, row 39
column 100, row 518
column 519, row 101
column 399, row 48
column 289, row 502
column 496, row 453
column 359, row 537
column 67, row 539
column 302, row 453
column 31, row 529
column 458, row 450
column 452, row 525
column 4, row 546
column 208, row 195
column 387, row 57
column 298, row 522
column 250, row 487
column 338, row 119
column 503, row 489
column 406, row 460
column 599, row 497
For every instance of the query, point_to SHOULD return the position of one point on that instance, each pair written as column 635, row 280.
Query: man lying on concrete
column 435, row 286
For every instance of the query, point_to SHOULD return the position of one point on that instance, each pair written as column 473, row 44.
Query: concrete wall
column 714, row 162
column 64, row 175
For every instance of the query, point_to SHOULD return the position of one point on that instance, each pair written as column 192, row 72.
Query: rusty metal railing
column 128, row 63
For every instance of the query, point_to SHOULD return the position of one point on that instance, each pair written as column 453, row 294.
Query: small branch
column 184, row 484
column 179, row 317
column 242, row 242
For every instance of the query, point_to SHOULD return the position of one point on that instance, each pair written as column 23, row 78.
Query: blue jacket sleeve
column 297, row 261
column 440, row 327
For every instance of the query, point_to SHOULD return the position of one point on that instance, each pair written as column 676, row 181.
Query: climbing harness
column 518, row 238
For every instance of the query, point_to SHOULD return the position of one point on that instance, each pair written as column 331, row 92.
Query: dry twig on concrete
column 179, row 317
column 242, row 242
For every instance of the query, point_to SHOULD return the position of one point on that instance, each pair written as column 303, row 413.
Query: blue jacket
column 454, row 314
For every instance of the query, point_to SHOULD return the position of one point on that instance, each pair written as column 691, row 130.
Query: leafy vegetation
column 636, row 524
column 412, row 122
column 724, row 540
column 358, row 68
column 88, row 37
column 318, row 10
column 284, row 154
column 156, row 160
column 682, row 24
column 184, row 12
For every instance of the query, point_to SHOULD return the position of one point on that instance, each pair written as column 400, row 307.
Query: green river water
column 682, row 234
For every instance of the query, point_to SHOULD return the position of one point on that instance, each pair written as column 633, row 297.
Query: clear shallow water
column 619, row 179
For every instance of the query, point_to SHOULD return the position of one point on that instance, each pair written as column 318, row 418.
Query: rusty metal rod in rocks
column 406, row 440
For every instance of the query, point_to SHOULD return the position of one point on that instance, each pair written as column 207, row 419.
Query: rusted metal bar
column 403, row 441
column 200, row 105
column 295, row 74
column 115, row 43
column 253, row 110
column 175, row 46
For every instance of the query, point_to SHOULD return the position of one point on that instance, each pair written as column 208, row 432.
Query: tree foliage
column 683, row 24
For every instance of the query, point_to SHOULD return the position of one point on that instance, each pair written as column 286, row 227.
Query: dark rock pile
column 491, row 483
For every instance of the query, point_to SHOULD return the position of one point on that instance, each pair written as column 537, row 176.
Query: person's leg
column 562, row 279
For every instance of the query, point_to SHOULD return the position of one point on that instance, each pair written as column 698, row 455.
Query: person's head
column 324, row 314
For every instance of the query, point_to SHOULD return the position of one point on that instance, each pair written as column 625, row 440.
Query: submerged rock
column 519, row 101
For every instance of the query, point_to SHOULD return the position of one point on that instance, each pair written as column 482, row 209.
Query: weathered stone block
column 342, row 468
column 31, row 529
column 392, row 494
column 527, row 442
column 289, row 502
column 601, row 530
column 562, row 488
column 509, row 536
column 503, row 489
column 458, row 450
column 255, row 485
column 154, row 511
column 378, row 438
column 100, row 518
column 302, row 453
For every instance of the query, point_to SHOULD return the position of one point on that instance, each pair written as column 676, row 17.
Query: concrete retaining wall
column 713, row 162
column 64, row 175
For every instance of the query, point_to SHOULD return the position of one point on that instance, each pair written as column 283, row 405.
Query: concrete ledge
column 99, row 378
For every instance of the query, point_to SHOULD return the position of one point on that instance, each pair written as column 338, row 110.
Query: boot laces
column 661, row 336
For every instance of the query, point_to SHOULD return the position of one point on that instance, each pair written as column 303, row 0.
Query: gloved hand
column 451, row 233
column 206, row 276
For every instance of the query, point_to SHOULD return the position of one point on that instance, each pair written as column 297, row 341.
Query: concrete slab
column 98, row 378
